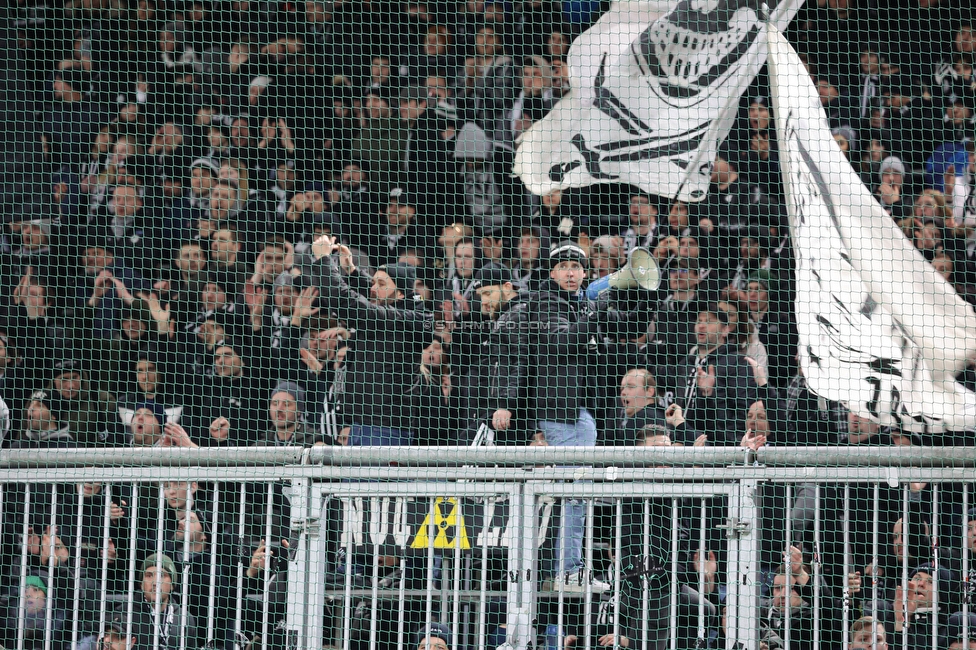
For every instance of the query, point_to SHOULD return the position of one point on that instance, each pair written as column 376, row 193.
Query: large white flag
column 655, row 89
column 880, row 329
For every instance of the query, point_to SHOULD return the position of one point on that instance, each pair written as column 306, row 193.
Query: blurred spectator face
column 212, row 297
column 285, row 177
column 921, row 586
column 222, row 199
column 870, row 63
column 384, row 290
column 150, row 582
column 377, row 107
column 114, row 641
column 218, row 140
column 655, row 440
column 943, row 265
column 96, row 259
column 749, row 249
column 133, row 328
column 315, row 12
column 865, row 640
column 47, row 546
column 4, row 359
column 678, row 216
column 167, row 140
column 528, row 249
column 125, row 201
column 723, row 174
column 827, row 91
column 284, row 298
column 190, row 526
column 450, row 236
column 535, row 80
column 324, row 344
column 312, row 202
column 177, row 493
column 437, row 87
column 68, row 385
column 928, row 237
column 274, row 261
column 568, row 275
column 34, row 600
column 971, row 535
column 210, row 333
column 710, row 332
column 201, row 180
column 39, row 417
column 147, row 376
column 759, row 144
column 432, row 643
column 858, row 425
column 927, row 206
column 191, row 260
column 680, row 279
column 146, row 429
column 240, row 133
column 486, row 42
column 756, row 419
column 552, row 200
column 898, row 541
column 781, row 585
column 492, row 248
column 635, row 393
column 962, row 645
column 433, row 355
column 958, row 114
column 758, row 117
column 892, row 178
column 400, row 215
column 412, row 110
column 379, row 70
column 558, row 45
column 352, row 177
column 492, row 298
column 965, row 42
column 464, row 259
column 224, row 247
column 436, row 40
column 876, row 151
column 227, row 363
column 688, row 248
column 600, row 262
column 642, row 213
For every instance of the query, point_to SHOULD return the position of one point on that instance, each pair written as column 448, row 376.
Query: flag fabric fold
column 879, row 329
column 655, row 90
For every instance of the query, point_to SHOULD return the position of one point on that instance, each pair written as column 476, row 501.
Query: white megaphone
column 640, row 272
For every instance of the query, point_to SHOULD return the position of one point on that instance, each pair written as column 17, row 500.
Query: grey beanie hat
column 294, row 390
column 472, row 143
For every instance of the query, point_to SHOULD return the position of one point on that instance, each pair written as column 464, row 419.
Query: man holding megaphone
column 570, row 328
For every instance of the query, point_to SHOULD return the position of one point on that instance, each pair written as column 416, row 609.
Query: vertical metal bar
column 106, row 524
column 673, row 616
column 401, row 600
column 22, row 608
column 587, row 575
column 965, row 561
column 618, row 549
column 935, row 563
column 846, row 613
column 904, row 566
column 133, row 532
column 266, row 571
column 431, row 530
column 483, row 596
column 816, row 566
column 646, row 558
column 459, row 519
column 239, row 595
column 76, row 595
column 160, row 502
column 702, row 563
column 560, row 576
column 789, row 566
column 874, row 558
column 51, row 560
column 347, row 587
column 375, row 590
column 185, row 565
column 211, row 603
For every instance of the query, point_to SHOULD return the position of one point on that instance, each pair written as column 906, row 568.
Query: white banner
column 880, row 330
column 655, row 89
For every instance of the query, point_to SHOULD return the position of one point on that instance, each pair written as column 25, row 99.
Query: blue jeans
column 582, row 433
column 366, row 435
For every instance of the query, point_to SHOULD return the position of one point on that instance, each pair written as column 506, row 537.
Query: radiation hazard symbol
column 448, row 528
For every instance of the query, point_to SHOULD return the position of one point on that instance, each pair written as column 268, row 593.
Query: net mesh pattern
column 280, row 233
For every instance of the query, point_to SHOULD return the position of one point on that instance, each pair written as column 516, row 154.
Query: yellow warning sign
column 448, row 524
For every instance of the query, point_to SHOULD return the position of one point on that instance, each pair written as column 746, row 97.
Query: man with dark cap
column 287, row 414
column 497, row 358
column 392, row 327
column 435, row 636
column 567, row 331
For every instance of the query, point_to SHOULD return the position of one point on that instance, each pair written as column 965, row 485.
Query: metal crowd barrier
column 366, row 549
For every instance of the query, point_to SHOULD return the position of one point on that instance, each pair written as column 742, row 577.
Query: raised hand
column 706, row 381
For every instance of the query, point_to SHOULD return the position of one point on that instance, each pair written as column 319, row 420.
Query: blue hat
column 435, row 630
column 154, row 407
